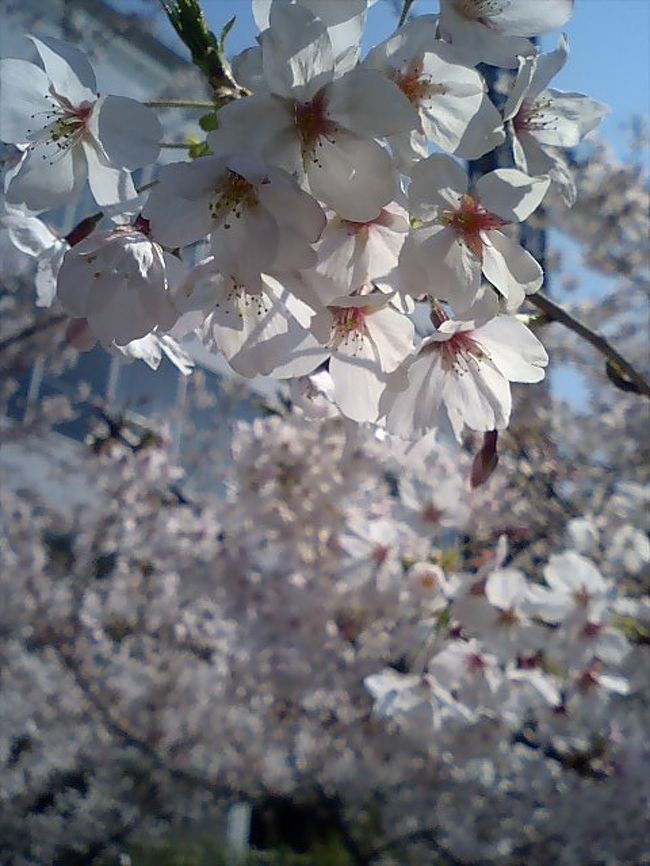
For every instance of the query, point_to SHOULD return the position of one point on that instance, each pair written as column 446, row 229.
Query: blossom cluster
column 318, row 628
column 332, row 205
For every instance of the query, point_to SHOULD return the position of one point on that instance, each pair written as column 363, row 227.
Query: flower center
column 533, row 117
column 468, row 221
column 458, row 350
column 415, row 86
column 234, row 195
column 475, row 663
column 349, row 326
column 313, row 124
column 65, row 125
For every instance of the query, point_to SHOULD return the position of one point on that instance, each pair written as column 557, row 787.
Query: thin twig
column 180, row 103
column 559, row 314
column 405, row 11
column 31, row 331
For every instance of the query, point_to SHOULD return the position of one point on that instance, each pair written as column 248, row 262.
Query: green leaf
column 209, row 122
column 200, row 148
column 225, row 30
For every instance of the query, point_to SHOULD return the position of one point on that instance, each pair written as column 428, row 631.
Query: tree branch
column 31, row 331
column 620, row 371
column 405, row 11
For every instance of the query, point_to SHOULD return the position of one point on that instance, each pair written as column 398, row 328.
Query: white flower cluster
column 335, row 205
column 317, row 629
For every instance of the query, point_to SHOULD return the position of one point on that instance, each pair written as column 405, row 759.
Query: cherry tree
column 370, row 621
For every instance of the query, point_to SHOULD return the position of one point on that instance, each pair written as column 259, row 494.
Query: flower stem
column 179, row 103
column 620, row 371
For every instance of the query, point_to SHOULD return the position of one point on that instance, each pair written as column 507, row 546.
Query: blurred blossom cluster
column 330, row 624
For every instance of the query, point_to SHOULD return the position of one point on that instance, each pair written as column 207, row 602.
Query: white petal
column 354, row 176
column 477, row 395
column 68, row 69
column 510, row 268
column 548, row 66
column 297, row 57
column 129, row 132
column 514, row 350
column 24, row 101
column 484, row 132
column 108, row 185
column 511, row 194
column 532, row 18
column 42, row 185
column 505, row 587
column 437, row 183
column 358, row 385
column 414, row 411
column 520, row 86
column 453, row 271
column 392, row 333
column 368, row 104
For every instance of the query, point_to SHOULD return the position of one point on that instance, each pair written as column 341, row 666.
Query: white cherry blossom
column 465, row 368
column 449, row 100
column 315, row 124
column 540, row 119
column 120, row 281
column 257, row 217
column 494, row 31
column 70, row 132
column 460, row 239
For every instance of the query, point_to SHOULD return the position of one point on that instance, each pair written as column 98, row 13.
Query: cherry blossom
column 316, row 124
column 71, row 134
column 257, row 218
column 493, row 31
column 465, row 367
column 450, row 105
column 120, row 281
column 540, row 119
column 460, row 238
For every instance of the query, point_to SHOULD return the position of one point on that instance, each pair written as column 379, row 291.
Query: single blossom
column 541, row 119
column 465, row 368
column 460, row 238
column 494, row 31
column 254, row 328
column 71, row 134
column 314, row 124
column 120, row 281
column 257, row 217
column 450, row 105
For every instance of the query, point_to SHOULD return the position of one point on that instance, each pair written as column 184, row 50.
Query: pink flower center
column 469, row 221
column 349, row 325
column 313, row 123
column 533, row 117
column 65, row 125
column 458, row 348
column 475, row 663
column 415, row 86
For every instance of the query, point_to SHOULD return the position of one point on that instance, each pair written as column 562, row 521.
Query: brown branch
column 31, row 331
column 635, row 381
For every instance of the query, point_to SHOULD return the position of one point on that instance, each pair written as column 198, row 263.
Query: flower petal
column 129, row 132
column 511, row 194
